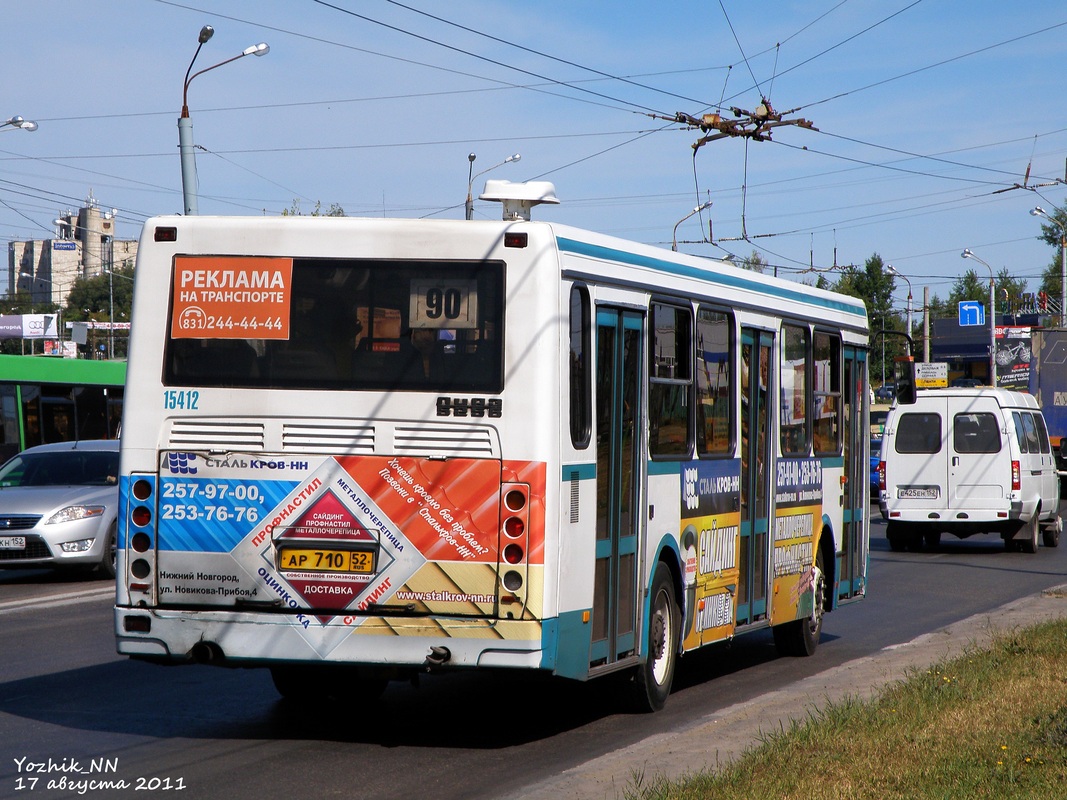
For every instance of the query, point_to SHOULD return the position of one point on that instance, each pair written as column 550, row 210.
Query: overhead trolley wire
column 543, row 54
column 643, row 109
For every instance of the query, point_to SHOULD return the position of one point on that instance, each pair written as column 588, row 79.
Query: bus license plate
column 918, row 492
column 320, row 559
column 12, row 542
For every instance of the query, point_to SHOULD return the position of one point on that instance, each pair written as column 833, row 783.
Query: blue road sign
column 971, row 313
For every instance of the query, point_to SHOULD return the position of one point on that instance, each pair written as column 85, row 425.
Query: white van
column 966, row 461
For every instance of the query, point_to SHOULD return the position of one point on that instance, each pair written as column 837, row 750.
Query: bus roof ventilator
column 519, row 198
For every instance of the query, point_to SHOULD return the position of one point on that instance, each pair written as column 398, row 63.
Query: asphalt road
column 66, row 696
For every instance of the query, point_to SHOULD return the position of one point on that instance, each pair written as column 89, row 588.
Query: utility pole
column 926, row 324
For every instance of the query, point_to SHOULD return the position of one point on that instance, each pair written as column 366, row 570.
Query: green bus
column 47, row 399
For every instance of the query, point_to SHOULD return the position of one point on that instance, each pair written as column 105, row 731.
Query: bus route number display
column 443, row 304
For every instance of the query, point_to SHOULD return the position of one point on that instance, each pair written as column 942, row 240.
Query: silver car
column 58, row 506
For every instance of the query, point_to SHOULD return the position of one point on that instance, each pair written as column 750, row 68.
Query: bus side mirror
column 905, row 378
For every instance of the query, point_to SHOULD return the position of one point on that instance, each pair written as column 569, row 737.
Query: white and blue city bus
column 354, row 449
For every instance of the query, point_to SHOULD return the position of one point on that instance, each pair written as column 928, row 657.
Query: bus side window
column 670, row 378
column 827, row 393
column 581, row 412
column 795, row 394
column 714, row 388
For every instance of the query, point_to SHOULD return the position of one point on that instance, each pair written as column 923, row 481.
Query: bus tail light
column 141, row 533
column 514, row 527
column 1016, row 476
column 515, row 519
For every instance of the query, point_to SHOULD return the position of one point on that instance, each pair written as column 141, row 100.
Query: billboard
column 29, row 326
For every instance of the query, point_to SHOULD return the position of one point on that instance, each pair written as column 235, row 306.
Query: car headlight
column 72, row 513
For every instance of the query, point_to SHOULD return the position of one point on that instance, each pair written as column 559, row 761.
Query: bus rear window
column 336, row 324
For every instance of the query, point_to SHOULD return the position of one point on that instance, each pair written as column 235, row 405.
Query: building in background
column 84, row 246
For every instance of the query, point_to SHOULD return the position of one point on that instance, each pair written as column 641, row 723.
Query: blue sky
column 923, row 109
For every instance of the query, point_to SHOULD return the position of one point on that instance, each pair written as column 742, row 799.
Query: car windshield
column 62, row 468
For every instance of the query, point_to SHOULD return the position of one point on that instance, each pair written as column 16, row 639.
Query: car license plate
column 321, row 559
column 918, row 492
column 12, row 542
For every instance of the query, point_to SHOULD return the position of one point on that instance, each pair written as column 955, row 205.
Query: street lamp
column 111, row 286
column 992, row 320
column 19, row 122
column 1040, row 212
column 111, row 275
column 185, row 124
column 470, row 178
column 892, row 271
column 697, row 210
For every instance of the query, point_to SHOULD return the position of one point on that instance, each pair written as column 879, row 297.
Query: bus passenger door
column 852, row 567
column 619, row 467
column 757, row 348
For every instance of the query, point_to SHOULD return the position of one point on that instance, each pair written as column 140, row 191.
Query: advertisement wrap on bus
column 358, row 450
column 350, row 533
column 710, row 538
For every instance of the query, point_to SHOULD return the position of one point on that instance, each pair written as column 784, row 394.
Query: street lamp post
column 893, row 271
column 19, row 122
column 185, row 123
column 471, row 175
column 111, row 298
column 1040, row 212
column 992, row 320
column 697, row 210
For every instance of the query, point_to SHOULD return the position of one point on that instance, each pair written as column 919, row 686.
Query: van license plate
column 918, row 492
column 12, row 542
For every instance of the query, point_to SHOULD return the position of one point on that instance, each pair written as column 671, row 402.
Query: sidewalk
column 731, row 730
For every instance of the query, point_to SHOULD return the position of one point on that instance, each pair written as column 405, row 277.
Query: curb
column 732, row 730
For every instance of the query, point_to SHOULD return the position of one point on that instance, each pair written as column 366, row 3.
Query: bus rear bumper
column 252, row 640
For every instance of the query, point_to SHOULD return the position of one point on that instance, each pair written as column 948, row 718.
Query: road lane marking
column 54, row 601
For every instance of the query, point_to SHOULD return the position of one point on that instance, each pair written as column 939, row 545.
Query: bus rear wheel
column 652, row 683
column 801, row 637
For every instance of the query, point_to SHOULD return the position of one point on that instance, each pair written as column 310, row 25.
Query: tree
column 968, row 287
column 334, row 210
column 940, row 309
column 971, row 286
column 875, row 285
column 1052, row 277
column 754, row 262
